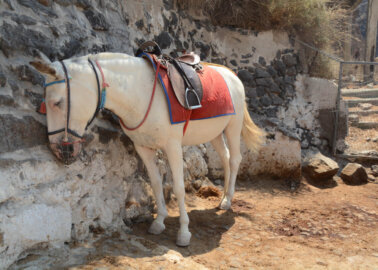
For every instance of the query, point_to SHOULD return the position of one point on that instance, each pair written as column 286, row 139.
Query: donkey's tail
column 253, row 136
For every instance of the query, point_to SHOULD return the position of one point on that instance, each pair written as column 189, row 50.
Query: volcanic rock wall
column 43, row 201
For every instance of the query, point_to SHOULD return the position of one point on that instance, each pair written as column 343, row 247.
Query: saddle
column 182, row 73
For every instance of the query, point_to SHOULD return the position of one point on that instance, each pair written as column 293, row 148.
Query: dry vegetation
column 321, row 23
column 316, row 21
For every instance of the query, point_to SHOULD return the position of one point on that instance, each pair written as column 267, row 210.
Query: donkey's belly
column 205, row 130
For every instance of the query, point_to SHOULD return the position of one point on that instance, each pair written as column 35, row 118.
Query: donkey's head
column 70, row 98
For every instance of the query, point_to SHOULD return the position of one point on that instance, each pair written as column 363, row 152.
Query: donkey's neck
column 130, row 82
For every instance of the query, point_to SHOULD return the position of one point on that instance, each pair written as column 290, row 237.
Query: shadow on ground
column 206, row 226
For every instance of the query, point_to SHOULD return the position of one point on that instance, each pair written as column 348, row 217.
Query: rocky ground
column 270, row 226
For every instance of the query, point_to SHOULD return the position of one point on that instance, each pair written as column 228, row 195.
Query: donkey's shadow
column 207, row 227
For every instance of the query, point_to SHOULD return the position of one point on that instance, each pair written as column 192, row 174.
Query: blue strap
column 54, row 82
column 103, row 98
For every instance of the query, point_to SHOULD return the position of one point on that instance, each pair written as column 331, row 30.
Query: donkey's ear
column 44, row 67
column 43, row 64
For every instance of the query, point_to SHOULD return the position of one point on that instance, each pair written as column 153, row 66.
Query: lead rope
column 149, row 105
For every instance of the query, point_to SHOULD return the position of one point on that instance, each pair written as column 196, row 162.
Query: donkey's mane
column 100, row 56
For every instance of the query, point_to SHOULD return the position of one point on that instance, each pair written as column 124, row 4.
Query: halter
column 100, row 102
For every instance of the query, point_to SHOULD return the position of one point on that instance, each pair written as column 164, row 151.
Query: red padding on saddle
column 216, row 99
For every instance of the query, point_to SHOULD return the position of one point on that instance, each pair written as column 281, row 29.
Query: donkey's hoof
column 156, row 227
column 183, row 239
column 225, row 204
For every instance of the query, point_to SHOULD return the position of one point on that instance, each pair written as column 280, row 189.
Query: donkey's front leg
column 148, row 157
column 175, row 159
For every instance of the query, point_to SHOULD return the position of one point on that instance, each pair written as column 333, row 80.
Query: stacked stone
column 269, row 87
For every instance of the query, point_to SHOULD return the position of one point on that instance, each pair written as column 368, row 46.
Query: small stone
column 260, row 91
column 341, row 145
column 354, row 174
column 233, row 62
column 292, row 71
column 354, row 118
column 316, row 141
column 305, row 144
column 365, row 106
column 197, row 184
column 248, row 55
column 139, row 24
column 251, row 92
column 374, row 170
column 289, row 60
column 204, row 48
column 262, row 61
column 261, row 73
column 97, row 20
column 266, row 101
column 164, row 40
column 272, row 71
column 218, row 182
column 264, row 82
column 274, row 88
column 279, row 66
column 277, row 100
column 246, row 77
column 3, row 78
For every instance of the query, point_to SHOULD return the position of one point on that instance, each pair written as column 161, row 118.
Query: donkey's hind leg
column 232, row 132
column 222, row 150
column 148, row 157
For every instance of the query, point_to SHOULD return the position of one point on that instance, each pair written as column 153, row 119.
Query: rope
column 149, row 105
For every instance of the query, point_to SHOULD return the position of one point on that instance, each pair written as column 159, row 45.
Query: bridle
column 100, row 103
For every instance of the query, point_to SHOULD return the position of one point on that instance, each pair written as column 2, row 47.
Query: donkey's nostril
column 67, row 150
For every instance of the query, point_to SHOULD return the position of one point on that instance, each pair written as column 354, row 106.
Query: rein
column 149, row 105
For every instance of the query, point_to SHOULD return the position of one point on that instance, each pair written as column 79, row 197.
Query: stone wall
column 43, row 201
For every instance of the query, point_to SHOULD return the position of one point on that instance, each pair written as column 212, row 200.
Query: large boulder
column 319, row 167
column 354, row 174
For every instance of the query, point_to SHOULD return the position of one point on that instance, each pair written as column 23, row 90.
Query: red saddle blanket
column 216, row 100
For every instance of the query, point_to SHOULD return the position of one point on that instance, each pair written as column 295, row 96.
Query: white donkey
column 73, row 99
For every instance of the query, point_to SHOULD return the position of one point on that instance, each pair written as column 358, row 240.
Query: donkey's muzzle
column 67, row 152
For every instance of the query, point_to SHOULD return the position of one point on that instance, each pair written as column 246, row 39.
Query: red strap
column 104, row 84
column 187, row 121
column 149, row 105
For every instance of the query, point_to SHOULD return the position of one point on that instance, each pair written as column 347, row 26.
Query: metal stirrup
column 191, row 90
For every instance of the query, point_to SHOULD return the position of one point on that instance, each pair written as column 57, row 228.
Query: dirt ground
column 360, row 140
column 269, row 227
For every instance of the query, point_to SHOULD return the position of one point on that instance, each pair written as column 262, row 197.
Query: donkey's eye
column 58, row 103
